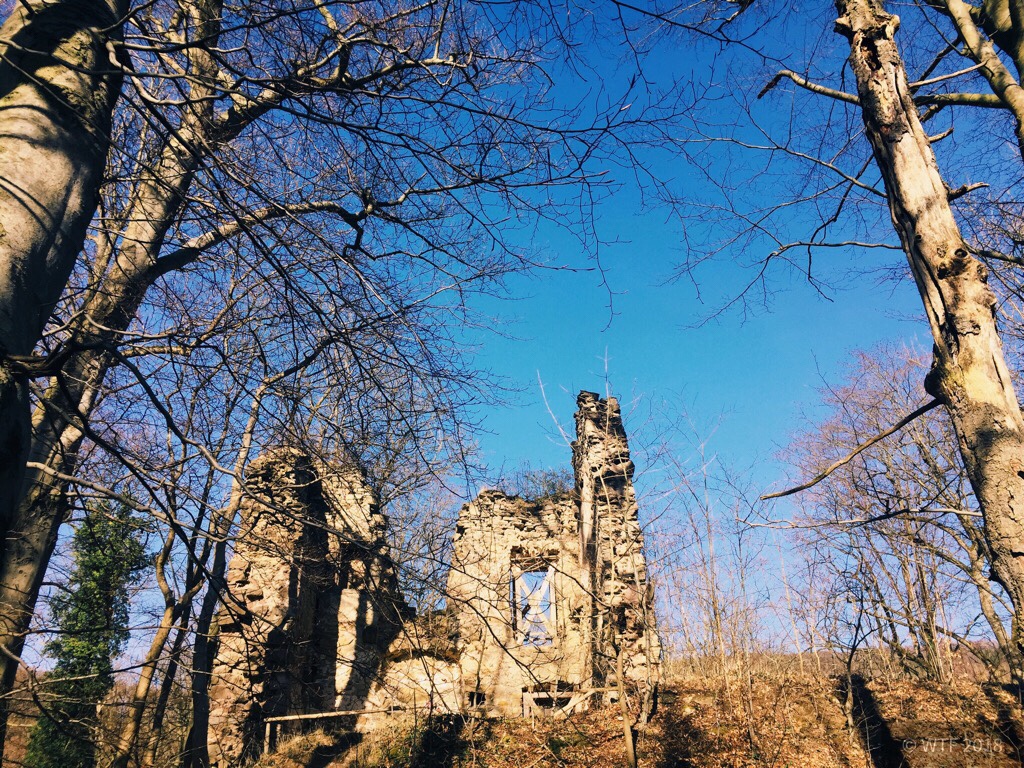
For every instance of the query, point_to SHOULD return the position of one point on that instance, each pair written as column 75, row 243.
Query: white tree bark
column 969, row 372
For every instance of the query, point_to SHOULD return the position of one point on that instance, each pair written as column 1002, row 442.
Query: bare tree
column 299, row 200
column 969, row 373
column 361, row 160
column 839, row 195
column 900, row 520
column 189, row 475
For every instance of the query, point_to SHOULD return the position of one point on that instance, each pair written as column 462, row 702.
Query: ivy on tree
column 90, row 616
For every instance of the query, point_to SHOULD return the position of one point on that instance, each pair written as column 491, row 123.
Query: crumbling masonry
column 312, row 603
column 549, row 604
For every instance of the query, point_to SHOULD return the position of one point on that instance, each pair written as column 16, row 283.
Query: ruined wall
column 265, row 664
column 421, row 668
column 611, row 546
column 547, row 598
column 585, row 599
column 312, row 602
column 370, row 608
column 497, row 539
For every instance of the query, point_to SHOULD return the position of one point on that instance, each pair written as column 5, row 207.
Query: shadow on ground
column 441, row 742
column 1008, row 724
column 677, row 738
column 325, row 754
column 884, row 750
column 436, row 742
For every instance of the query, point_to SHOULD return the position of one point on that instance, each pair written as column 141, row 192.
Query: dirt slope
column 787, row 721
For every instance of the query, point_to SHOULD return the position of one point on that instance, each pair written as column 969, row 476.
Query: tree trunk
column 32, row 531
column 57, row 431
column 969, row 372
column 58, row 85
column 204, row 651
column 173, row 608
column 627, row 720
column 197, row 752
column 57, row 424
column 163, row 698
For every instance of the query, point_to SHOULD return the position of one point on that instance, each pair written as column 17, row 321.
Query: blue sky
column 752, row 377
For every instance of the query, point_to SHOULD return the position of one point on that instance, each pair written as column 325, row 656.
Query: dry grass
column 772, row 722
column 777, row 720
column 792, row 720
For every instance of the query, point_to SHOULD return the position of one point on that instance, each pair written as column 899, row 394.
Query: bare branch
column 941, row 78
column 1007, row 91
column 856, row 522
column 803, row 82
column 964, row 189
column 856, row 452
column 986, row 100
column 194, row 247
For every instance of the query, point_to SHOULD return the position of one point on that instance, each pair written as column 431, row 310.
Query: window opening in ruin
column 544, row 701
column 477, row 698
column 533, row 601
column 551, row 700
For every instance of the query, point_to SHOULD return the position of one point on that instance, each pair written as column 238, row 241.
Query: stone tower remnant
column 548, row 599
column 550, row 592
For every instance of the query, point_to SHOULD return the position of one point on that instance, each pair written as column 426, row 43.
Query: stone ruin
column 312, row 602
column 548, row 602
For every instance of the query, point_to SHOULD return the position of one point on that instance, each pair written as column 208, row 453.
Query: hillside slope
column 788, row 721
